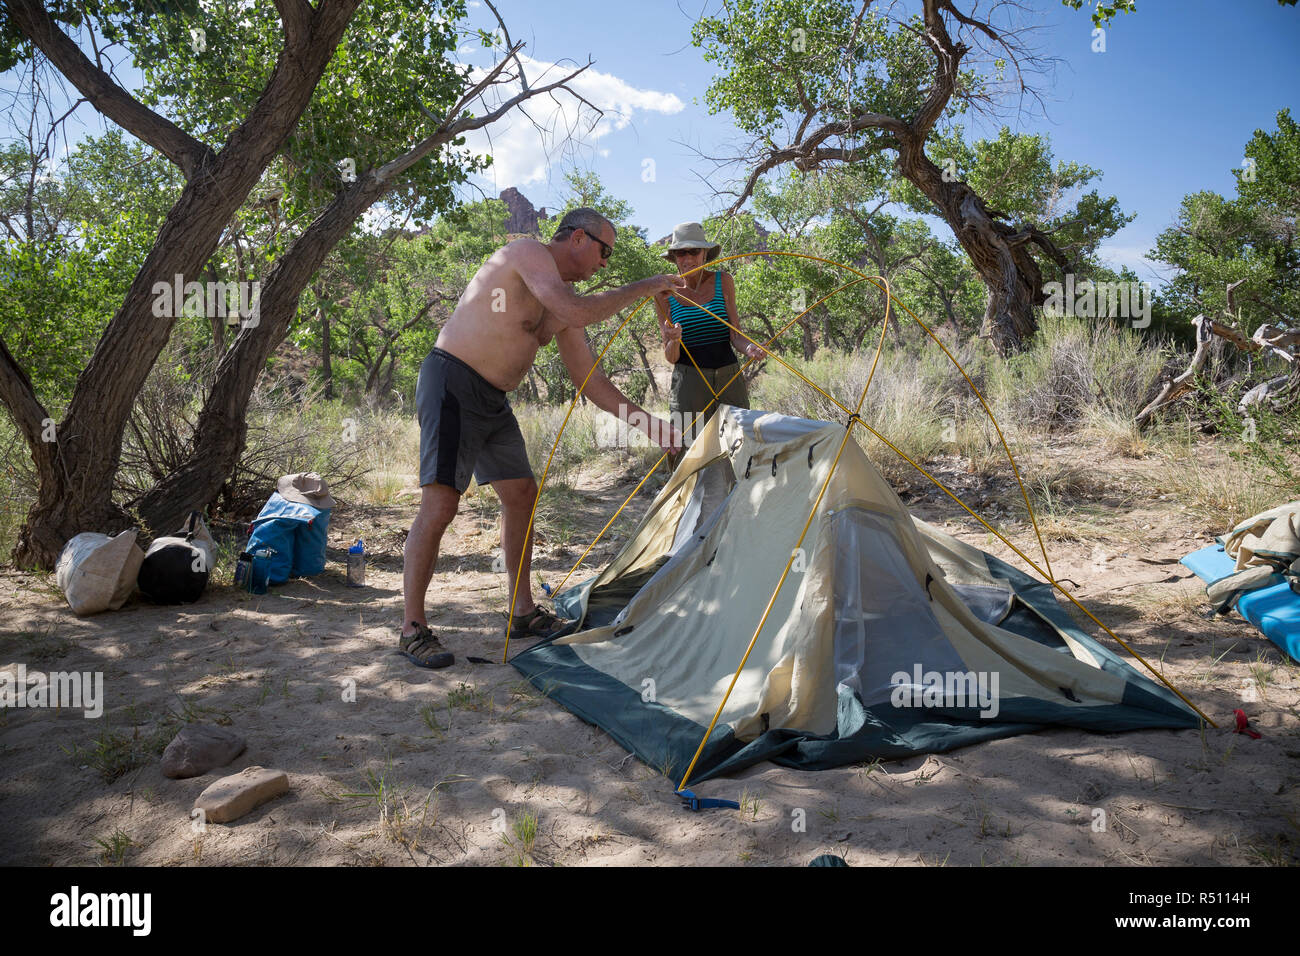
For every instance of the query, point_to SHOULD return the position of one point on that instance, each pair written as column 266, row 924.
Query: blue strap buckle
column 695, row 804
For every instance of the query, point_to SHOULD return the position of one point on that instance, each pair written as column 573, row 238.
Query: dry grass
column 1117, row 433
column 1214, row 487
column 391, row 460
column 1073, row 369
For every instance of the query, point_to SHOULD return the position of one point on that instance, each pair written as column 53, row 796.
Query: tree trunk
column 77, row 464
column 221, row 430
column 75, row 496
column 372, row 375
column 645, row 361
column 859, row 337
column 999, row 253
column 327, row 370
column 895, row 328
column 949, row 315
column 215, row 321
column 389, row 373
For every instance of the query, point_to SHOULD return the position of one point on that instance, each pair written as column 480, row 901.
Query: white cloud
column 523, row 152
column 1134, row 257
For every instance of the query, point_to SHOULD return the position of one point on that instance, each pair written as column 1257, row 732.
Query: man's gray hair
column 588, row 220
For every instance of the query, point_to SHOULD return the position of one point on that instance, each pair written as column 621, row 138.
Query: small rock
column 199, row 748
column 231, row 797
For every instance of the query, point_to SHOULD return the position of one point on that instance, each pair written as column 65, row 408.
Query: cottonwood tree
column 831, row 82
column 1236, row 273
column 279, row 87
column 838, row 215
column 1249, row 243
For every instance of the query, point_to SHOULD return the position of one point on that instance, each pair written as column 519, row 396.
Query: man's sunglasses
column 605, row 250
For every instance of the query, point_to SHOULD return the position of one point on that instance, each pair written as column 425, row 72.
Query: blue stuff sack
column 296, row 532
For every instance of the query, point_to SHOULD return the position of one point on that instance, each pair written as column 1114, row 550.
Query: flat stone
column 199, row 748
column 231, row 797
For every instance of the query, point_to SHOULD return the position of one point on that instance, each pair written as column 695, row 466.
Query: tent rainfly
column 888, row 639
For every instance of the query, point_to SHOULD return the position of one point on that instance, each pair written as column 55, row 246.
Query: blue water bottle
column 357, row 565
column 242, row 568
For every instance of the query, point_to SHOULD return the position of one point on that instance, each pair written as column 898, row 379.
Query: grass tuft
column 113, row 848
column 524, row 830
column 468, row 697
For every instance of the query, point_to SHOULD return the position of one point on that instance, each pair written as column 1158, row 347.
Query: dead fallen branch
column 1281, row 392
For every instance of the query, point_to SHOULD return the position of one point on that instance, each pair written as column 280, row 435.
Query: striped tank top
column 708, row 339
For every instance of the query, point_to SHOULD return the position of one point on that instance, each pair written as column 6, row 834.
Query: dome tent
column 888, row 639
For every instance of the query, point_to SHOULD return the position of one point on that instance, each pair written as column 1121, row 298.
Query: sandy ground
column 469, row 765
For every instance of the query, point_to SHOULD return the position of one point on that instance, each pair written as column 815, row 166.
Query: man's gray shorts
column 466, row 427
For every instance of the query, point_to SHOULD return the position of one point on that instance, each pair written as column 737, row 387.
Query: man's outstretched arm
column 537, row 270
column 605, row 395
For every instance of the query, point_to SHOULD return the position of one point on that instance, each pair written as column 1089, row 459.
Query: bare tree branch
column 809, row 153
column 449, row 128
column 221, row 428
column 510, row 45
column 105, row 95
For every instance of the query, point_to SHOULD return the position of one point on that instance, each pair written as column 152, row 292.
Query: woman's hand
column 672, row 335
column 753, row 351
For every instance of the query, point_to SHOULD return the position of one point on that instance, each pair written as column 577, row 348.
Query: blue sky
column 1164, row 111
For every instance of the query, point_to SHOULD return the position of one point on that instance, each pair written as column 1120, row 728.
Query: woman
column 687, row 327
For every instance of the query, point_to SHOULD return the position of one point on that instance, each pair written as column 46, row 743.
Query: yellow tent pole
column 532, row 517
column 944, row 488
column 546, row 471
column 697, row 367
column 1033, row 519
column 848, row 430
column 772, row 338
column 989, row 412
column 560, row 587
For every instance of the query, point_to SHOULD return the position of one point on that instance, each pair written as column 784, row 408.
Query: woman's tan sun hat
column 690, row 235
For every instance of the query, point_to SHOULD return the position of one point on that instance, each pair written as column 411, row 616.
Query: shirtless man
column 517, row 302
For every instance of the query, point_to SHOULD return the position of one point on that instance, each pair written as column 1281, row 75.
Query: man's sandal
column 423, row 649
column 538, row 623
